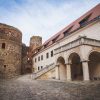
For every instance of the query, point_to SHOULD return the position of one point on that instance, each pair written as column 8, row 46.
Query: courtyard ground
column 24, row 88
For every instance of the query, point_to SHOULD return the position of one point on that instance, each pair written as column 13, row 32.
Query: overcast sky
column 42, row 17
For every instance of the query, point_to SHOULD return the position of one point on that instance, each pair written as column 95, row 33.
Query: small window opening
column 3, row 45
column 4, row 66
column 47, row 55
column 84, row 20
column 67, row 31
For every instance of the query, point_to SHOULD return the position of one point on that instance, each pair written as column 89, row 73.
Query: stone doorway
column 76, row 67
column 28, row 70
column 94, row 66
column 62, row 68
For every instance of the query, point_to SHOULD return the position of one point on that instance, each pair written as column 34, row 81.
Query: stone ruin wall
column 10, row 51
column 35, row 44
column 26, row 62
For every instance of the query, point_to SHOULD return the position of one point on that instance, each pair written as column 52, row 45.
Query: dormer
column 85, row 20
column 67, row 31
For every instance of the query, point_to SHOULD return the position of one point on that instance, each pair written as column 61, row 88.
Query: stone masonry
column 10, row 51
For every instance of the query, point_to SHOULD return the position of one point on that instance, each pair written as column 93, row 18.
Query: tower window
column 68, row 31
column 5, row 66
column 3, row 45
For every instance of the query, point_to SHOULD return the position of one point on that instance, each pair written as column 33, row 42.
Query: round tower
column 10, row 51
column 35, row 42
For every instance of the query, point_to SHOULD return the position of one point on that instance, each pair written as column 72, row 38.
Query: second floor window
column 38, row 58
column 47, row 55
column 35, row 59
column 41, row 67
column 41, row 57
column 52, row 53
column 38, row 68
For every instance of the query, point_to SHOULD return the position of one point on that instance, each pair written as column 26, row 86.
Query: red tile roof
column 93, row 13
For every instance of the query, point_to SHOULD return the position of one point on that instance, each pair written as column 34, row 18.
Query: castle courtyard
column 25, row 88
column 64, row 67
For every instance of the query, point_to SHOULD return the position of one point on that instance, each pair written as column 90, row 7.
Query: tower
column 10, row 51
column 35, row 42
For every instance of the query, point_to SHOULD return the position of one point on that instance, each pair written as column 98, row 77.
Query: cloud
column 42, row 17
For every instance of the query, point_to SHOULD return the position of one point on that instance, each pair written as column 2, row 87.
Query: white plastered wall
column 90, row 31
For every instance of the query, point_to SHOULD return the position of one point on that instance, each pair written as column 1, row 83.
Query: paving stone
column 24, row 88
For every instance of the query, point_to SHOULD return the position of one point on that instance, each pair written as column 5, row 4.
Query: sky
column 42, row 17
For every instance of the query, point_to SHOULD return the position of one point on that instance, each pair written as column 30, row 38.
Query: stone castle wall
column 26, row 64
column 10, row 51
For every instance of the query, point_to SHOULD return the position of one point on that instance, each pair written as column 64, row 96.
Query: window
column 52, row 53
column 82, row 22
column 41, row 67
column 41, row 57
column 38, row 58
column 67, row 31
column 54, row 40
column 4, row 66
column 35, row 59
column 3, row 45
column 47, row 55
column 38, row 68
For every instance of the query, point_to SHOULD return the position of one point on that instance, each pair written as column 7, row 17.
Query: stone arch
column 91, row 51
column 62, row 68
column 94, row 65
column 76, row 66
column 28, row 70
column 72, row 52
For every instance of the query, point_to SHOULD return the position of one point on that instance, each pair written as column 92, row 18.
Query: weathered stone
column 10, row 51
column 24, row 88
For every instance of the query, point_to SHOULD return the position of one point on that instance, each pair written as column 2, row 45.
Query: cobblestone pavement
column 24, row 88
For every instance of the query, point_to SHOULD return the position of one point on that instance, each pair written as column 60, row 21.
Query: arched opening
column 28, row 70
column 76, row 67
column 62, row 68
column 94, row 66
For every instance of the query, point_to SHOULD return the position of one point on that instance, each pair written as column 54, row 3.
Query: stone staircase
column 43, row 71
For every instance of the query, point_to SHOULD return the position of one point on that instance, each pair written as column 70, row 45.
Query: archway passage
column 62, row 68
column 76, row 67
column 28, row 70
column 94, row 66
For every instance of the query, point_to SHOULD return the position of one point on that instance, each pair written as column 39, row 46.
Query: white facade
column 90, row 31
